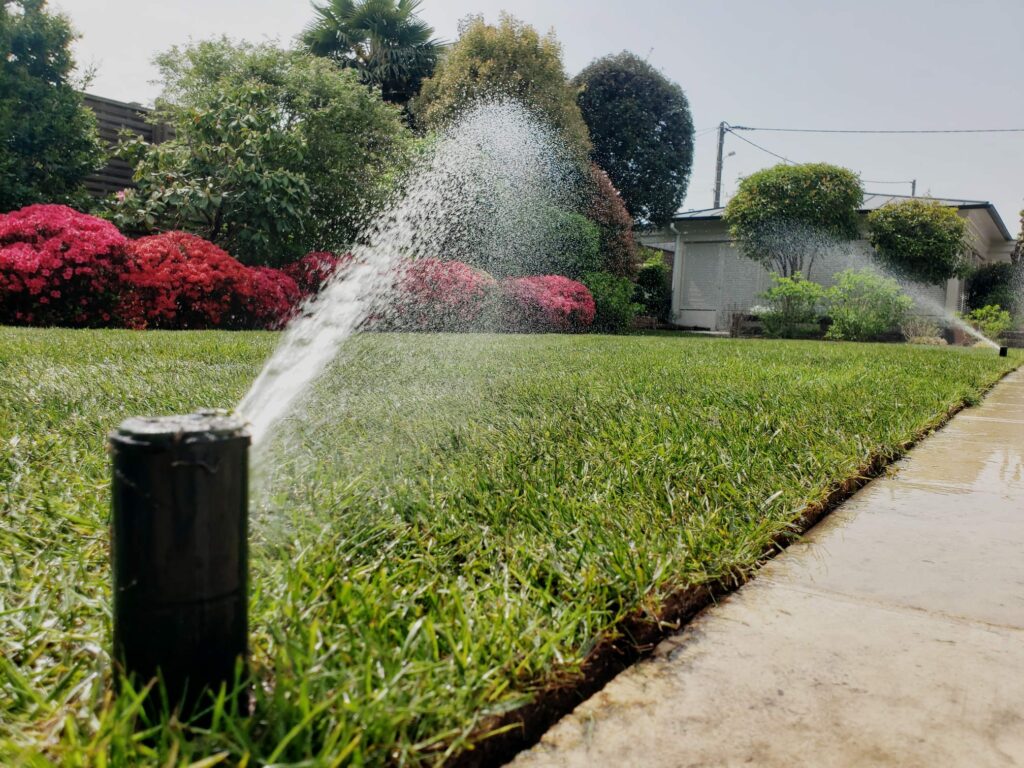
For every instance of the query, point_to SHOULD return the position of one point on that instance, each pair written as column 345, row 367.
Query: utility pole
column 718, row 165
column 913, row 188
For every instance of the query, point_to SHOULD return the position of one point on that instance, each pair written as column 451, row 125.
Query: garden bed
column 462, row 524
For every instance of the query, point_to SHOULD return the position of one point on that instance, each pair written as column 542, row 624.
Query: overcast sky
column 873, row 64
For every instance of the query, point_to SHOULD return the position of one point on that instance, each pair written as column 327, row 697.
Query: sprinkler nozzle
column 179, row 552
column 1002, row 351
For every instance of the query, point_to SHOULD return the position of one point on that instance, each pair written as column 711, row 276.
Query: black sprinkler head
column 1002, row 351
column 180, row 554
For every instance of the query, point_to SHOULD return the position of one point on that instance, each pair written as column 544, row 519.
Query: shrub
column 275, row 152
column 273, row 297
column 58, row 267
column 785, row 216
column 545, row 303
column 314, row 269
column 920, row 239
column 792, row 306
column 921, row 330
column 572, row 243
column 436, row 295
column 992, row 320
column 864, row 305
column 654, row 286
column 614, row 308
column 178, row 280
column 618, row 249
column 995, row 284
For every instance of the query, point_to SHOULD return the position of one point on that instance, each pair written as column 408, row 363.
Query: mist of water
column 837, row 255
column 478, row 188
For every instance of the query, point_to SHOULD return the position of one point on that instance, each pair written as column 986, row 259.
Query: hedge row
column 62, row 267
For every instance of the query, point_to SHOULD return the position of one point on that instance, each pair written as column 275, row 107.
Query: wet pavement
column 891, row 635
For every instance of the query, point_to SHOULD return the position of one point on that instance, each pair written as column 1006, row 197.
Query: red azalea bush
column 435, row 295
column 314, row 269
column 274, row 296
column 178, row 280
column 546, row 303
column 58, row 267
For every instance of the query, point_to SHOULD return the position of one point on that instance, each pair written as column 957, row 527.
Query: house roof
column 873, row 201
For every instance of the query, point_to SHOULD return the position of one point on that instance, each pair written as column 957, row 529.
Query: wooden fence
column 112, row 117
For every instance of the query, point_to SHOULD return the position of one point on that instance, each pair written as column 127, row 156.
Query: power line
column 851, row 130
column 763, row 149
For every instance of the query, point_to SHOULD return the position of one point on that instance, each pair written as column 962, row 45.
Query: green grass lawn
column 450, row 527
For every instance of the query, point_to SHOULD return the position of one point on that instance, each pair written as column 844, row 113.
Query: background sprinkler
column 180, row 553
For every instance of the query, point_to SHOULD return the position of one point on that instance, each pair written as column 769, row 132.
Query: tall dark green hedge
column 642, row 133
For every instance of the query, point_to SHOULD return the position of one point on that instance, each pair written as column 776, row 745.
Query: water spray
column 179, row 550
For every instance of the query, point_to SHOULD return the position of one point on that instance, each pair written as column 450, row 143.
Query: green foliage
column 573, row 244
column 510, row 60
column 613, row 299
column 999, row 283
column 48, row 138
column 864, row 305
column 642, row 132
column 276, row 153
column 654, row 286
column 793, row 307
column 424, row 566
column 383, row 40
column 784, row 216
column 991, row 320
column 923, row 240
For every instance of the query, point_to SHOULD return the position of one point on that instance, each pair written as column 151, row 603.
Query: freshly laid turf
column 449, row 529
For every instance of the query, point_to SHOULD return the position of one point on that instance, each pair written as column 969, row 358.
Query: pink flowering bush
column 314, row 269
column 435, row 295
column 178, row 280
column 546, row 303
column 58, row 267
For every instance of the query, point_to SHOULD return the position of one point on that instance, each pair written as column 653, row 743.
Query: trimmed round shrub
column 613, row 301
column 313, row 270
column 178, row 280
column 435, row 295
column 545, row 303
column 58, row 267
column 920, row 239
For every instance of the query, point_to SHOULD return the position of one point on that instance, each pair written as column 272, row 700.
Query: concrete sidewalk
column 892, row 634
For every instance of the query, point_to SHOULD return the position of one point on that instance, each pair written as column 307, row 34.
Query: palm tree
column 383, row 40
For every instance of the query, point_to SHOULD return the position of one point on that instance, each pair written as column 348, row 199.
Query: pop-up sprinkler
column 180, row 553
column 1002, row 351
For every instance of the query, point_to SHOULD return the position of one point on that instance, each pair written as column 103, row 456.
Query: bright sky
column 873, row 64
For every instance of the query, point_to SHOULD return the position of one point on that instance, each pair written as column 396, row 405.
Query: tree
column 276, row 153
column 920, row 239
column 642, row 132
column 49, row 143
column 383, row 40
column 510, row 60
column 786, row 215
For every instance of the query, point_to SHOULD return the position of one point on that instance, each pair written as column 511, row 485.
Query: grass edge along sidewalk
column 533, row 493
